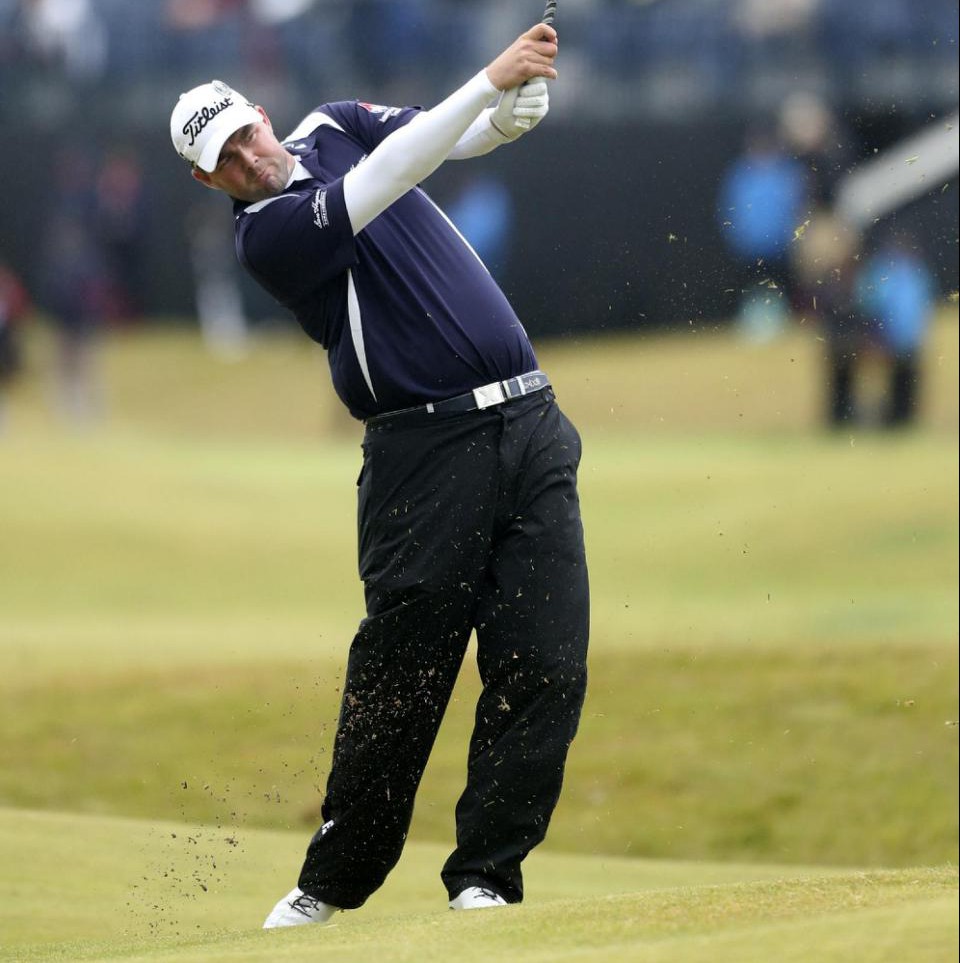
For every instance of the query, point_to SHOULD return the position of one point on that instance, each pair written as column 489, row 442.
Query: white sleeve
column 413, row 152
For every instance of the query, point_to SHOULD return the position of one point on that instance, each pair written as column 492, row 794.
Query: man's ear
column 203, row 177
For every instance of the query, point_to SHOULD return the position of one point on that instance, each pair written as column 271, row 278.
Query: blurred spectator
column 769, row 35
column 204, row 32
column 617, row 36
column 198, row 15
column 13, row 307
column 896, row 296
column 761, row 204
column 811, row 133
column 690, row 64
column 66, row 32
column 279, row 11
column 482, row 210
column 706, row 52
column 271, row 26
column 136, row 33
column 760, row 18
column 121, row 226
column 216, row 280
column 826, row 255
column 305, row 44
column 391, row 40
column 75, row 286
column 873, row 307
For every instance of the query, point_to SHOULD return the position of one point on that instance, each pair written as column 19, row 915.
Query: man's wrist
column 494, row 89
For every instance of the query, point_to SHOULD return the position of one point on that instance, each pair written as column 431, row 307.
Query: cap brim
column 221, row 129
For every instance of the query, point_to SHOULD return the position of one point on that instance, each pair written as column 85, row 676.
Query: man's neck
column 291, row 160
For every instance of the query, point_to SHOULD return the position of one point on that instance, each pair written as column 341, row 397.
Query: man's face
column 253, row 165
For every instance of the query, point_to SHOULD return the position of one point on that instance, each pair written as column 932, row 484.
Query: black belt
column 486, row 396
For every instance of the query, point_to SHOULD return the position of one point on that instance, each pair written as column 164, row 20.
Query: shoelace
column 490, row 894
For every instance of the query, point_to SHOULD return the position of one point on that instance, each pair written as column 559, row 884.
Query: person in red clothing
column 13, row 306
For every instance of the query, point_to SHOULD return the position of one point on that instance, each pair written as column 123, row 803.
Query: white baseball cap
column 203, row 120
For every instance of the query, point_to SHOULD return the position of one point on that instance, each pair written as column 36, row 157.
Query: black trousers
column 466, row 522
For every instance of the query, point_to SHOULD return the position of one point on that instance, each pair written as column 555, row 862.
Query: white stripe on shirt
column 356, row 331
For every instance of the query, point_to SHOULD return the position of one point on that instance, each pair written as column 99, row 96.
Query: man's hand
column 531, row 102
column 531, row 55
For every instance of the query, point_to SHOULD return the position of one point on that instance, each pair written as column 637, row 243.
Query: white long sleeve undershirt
column 481, row 137
column 457, row 127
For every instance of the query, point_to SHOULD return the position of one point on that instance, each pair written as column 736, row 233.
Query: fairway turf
column 185, row 894
column 773, row 668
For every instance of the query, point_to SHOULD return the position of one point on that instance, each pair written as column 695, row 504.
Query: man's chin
column 260, row 192
column 260, row 189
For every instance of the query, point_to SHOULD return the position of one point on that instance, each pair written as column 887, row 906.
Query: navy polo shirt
column 406, row 310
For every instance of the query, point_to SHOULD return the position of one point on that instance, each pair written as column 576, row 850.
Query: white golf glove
column 521, row 108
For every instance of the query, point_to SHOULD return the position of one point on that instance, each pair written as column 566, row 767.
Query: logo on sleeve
column 319, row 206
column 384, row 112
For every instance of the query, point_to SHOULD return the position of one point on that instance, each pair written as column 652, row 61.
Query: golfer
column 469, row 518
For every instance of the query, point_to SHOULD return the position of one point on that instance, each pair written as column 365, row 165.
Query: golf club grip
column 549, row 11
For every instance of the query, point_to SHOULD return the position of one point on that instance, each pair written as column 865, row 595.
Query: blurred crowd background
column 669, row 57
column 691, row 171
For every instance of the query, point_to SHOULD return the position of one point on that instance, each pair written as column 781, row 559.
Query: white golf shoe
column 477, row 897
column 298, row 909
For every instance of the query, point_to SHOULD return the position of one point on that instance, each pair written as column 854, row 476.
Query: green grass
column 773, row 666
column 774, row 654
column 788, row 755
column 161, row 382
column 182, row 893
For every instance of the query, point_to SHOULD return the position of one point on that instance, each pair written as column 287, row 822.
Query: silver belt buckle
column 489, row 395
